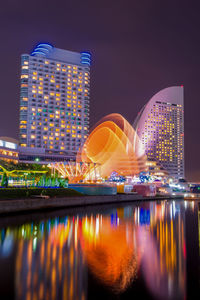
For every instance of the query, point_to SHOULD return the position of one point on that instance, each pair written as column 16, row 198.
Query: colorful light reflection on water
column 113, row 253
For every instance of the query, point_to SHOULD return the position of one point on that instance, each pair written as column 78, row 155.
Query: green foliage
column 23, row 166
column 63, row 183
column 41, row 181
column 52, row 181
column 8, row 166
column 37, row 179
column 22, row 193
column 4, row 182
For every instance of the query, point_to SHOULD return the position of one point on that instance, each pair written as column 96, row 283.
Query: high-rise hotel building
column 160, row 126
column 54, row 99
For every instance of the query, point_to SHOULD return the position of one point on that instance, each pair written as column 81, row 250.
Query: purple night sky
column 137, row 47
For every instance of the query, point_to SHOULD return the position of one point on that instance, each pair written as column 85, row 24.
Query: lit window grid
column 163, row 136
column 79, row 108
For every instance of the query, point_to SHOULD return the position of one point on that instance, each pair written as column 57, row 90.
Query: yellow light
column 24, row 76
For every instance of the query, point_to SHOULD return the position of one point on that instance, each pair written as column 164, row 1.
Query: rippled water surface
column 147, row 250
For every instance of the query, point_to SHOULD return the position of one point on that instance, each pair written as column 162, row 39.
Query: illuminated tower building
column 160, row 126
column 54, row 99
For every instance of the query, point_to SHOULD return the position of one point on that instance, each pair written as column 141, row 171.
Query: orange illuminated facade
column 115, row 146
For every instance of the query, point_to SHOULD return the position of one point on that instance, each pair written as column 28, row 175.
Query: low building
column 42, row 155
column 9, row 149
column 156, row 170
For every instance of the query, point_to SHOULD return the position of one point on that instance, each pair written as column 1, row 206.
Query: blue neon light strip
column 38, row 52
column 48, row 45
column 85, row 63
column 86, row 54
column 40, row 48
column 85, row 58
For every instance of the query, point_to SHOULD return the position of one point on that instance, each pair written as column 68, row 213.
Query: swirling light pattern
column 114, row 144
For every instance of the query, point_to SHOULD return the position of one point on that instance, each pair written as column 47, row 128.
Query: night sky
column 138, row 48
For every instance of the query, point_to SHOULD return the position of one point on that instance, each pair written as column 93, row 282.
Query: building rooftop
column 50, row 52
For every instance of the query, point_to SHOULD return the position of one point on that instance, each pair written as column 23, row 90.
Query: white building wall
column 160, row 126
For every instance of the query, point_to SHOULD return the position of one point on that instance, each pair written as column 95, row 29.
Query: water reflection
column 110, row 250
column 118, row 247
column 49, row 261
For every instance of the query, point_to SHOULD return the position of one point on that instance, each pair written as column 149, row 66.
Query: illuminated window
column 24, row 76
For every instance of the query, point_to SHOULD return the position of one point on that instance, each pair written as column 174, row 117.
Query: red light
column 184, row 250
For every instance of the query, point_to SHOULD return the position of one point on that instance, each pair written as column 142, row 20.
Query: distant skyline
column 137, row 47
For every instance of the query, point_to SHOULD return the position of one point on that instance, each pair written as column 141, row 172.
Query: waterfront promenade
column 31, row 204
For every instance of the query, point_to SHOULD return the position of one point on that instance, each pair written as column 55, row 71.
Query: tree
column 4, row 181
column 63, row 182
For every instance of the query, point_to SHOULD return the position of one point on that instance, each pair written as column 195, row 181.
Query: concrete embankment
column 13, row 206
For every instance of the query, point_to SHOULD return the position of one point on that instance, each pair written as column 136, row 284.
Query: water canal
column 146, row 250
